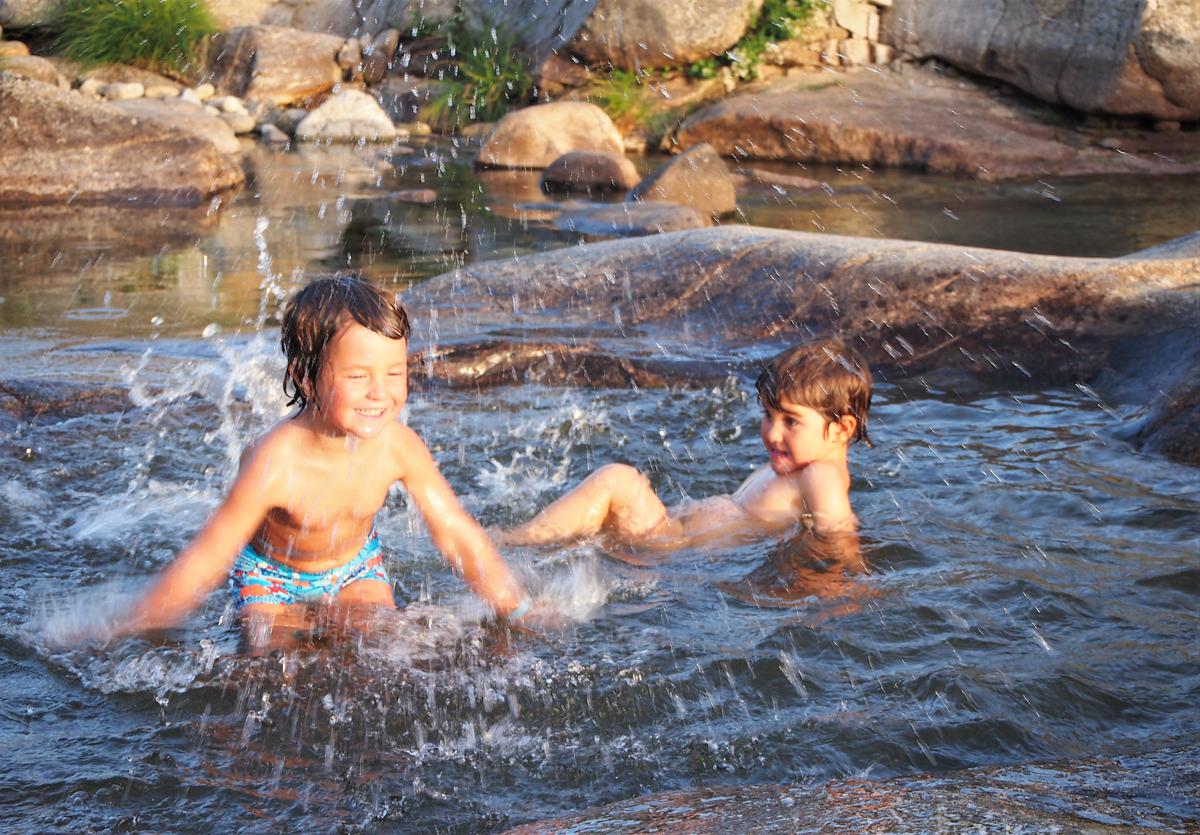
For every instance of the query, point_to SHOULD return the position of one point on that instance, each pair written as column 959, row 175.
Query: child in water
column 297, row 525
column 815, row 399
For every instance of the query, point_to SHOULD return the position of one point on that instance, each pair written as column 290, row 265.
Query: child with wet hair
column 298, row 523
column 815, row 398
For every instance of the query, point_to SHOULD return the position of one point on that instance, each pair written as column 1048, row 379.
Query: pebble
column 190, row 97
column 272, row 135
column 123, row 90
column 419, row 129
column 239, row 122
column 204, row 91
column 92, row 87
column 162, row 91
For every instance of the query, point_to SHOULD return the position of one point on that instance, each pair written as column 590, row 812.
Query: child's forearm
column 473, row 556
column 180, row 588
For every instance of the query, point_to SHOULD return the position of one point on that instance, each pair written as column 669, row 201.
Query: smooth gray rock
column 646, row 34
column 1122, row 56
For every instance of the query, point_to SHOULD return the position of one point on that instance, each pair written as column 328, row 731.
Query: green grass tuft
column 779, row 20
column 623, row 97
column 161, row 35
column 490, row 77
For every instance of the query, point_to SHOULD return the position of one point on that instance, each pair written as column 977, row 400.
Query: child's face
column 364, row 381
column 796, row 435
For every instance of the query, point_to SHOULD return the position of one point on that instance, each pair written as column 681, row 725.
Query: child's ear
column 842, row 430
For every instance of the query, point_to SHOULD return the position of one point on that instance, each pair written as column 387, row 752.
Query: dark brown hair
column 316, row 314
column 827, row 376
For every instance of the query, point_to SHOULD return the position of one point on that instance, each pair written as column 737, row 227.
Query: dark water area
column 1033, row 588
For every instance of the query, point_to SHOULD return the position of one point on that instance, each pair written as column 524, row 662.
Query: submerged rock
column 915, row 120
column 1142, row 793
column 627, row 220
column 536, row 136
column 56, row 146
column 46, row 402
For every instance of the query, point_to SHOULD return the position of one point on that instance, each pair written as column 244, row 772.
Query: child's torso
column 328, row 510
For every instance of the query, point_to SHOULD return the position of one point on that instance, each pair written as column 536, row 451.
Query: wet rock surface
column 910, row 307
column 590, row 171
column 25, row 401
column 1140, row 793
column 915, row 119
column 59, row 147
column 186, row 117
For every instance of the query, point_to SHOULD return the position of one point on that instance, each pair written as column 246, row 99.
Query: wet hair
column 827, row 376
column 317, row 313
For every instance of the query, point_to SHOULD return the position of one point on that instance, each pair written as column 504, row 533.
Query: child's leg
column 616, row 499
column 368, row 592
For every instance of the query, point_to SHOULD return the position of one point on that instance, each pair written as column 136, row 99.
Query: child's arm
column 206, row 561
column 455, row 533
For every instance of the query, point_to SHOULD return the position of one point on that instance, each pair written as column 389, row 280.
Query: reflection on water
column 1028, row 588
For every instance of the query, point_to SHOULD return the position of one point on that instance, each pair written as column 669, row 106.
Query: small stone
column 124, row 90
column 350, row 55
column 204, row 91
column 13, row 49
column 92, row 87
column 855, row 52
column 829, row 54
column 239, row 122
column 419, row 128
column 272, row 135
column 208, row 108
column 1168, row 126
column 229, row 104
column 162, row 91
column 190, row 97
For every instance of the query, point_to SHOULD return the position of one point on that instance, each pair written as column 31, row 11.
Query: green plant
column 778, row 21
column 154, row 34
column 623, row 97
column 490, row 76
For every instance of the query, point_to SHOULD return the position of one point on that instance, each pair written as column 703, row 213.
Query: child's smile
column 364, row 383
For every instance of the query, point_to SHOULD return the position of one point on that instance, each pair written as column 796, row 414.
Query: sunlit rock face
column 1127, row 57
column 274, row 64
column 916, row 120
column 536, row 136
column 912, row 308
column 59, row 147
column 645, row 34
column 697, row 178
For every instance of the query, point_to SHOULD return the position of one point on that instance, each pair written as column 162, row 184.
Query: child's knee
column 621, row 477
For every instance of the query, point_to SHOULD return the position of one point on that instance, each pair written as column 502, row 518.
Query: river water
column 1032, row 591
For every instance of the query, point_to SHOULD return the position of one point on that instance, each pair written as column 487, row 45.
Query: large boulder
column 184, row 116
column 275, row 64
column 1124, row 56
column 59, row 146
column 912, row 119
column 24, row 13
column 346, row 117
column 534, row 137
column 646, row 34
column 911, row 307
column 697, row 178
